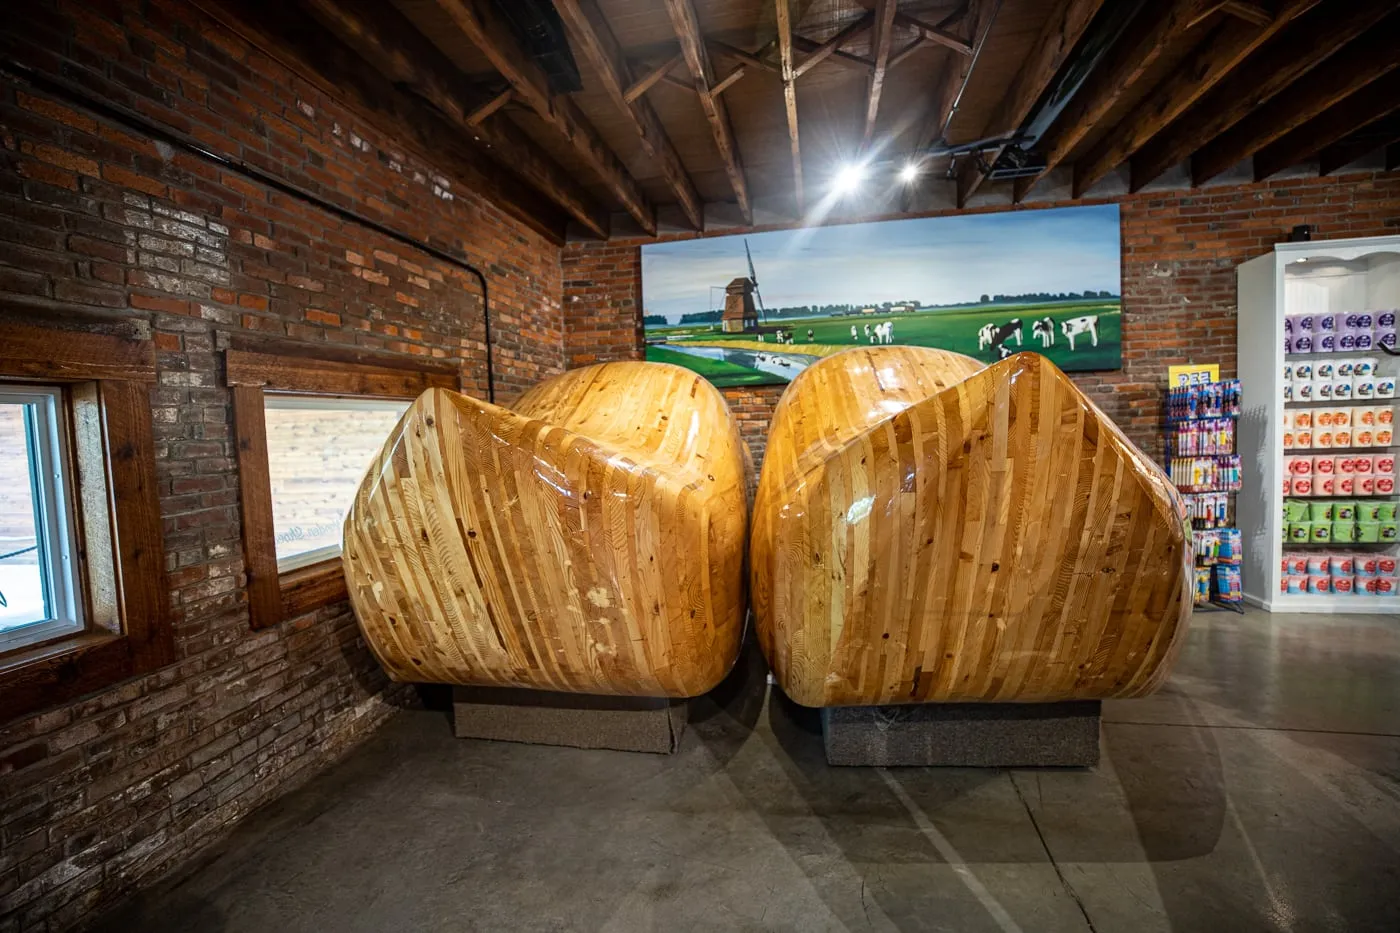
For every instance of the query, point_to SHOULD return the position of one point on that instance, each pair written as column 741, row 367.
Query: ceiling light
column 849, row 178
column 910, row 173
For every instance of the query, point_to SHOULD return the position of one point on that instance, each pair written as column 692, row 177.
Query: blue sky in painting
column 934, row 260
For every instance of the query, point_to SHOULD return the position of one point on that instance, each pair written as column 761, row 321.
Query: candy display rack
column 1317, row 331
column 1203, row 465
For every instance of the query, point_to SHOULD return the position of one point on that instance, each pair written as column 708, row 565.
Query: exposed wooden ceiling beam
column 751, row 59
column 1342, row 153
column 697, row 59
column 1343, row 74
column 937, row 35
column 394, row 49
column 723, row 83
column 907, row 51
column 480, row 22
column 940, row 105
column 476, row 117
column 1204, row 67
column 650, row 77
column 880, row 43
column 784, row 21
column 825, row 49
column 1121, row 67
column 839, row 56
column 1057, row 39
column 1377, row 99
column 1296, row 49
column 594, row 39
column 1255, row 13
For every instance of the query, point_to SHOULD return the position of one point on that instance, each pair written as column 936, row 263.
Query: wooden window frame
column 256, row 367
column 107, row 382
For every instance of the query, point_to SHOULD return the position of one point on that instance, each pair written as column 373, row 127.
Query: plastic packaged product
column 1302, row 486
column 1385, row 586
column 1325, row 485
column 1302, row 419
column 1303, row 391
column 1367, row 565
column 1386, row 565
column 1342, row 586
column 1367, row 511
column 1296, row 563
column 1343, row 564
column 1385, row 511
column 1365, row 484
column 1346, row 485
column 1319, row 564
column 1344, row 510
column 1324, row 466
column 1299, row 532
column 1385, row 416
column 1319, row 586
column 1368, row 532
column 1299, row 465
column 1202, row 581
column 1363, row 586
column 1322, row 532
column 1363, row 463
column 1343, row 532
column 1385, row 437
column 1389, row 532
column 1385, row 387
column 1364, row 365
column 1295, row 584
column 1302, row 371
column 1342, row 388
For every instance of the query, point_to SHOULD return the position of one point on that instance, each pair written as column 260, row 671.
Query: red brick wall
column 1180, row 250
column 102, row 794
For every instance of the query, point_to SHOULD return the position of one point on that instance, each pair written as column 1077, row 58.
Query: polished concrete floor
column 1260, row 790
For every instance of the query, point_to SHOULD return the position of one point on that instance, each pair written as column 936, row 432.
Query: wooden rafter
column 941, row 103
column 1057, row 39
column 752, row 59
column 393, row 49
column 649, row 78
column 1206, row 65
column 824, row 50
column 1378, row 99
column 784, row 21
column 480, row 23
column 880, row 43
column 697, row 59
column 1336, row 79
column 723, row 83
column 810, row 47
column 1122, row 66
column 1342, row 153
column 594, row 40
column 1297, row 48
column 935, row 34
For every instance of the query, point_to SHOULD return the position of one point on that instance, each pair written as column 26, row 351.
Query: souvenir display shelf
column 1317, row 507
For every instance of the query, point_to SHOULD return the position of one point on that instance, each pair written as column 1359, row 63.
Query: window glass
column 318, row 450
column 37, row 560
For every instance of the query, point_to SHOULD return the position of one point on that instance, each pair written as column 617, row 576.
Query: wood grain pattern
column 255, row 493
column 330, row 377
column 927, row 530
column 591, row 540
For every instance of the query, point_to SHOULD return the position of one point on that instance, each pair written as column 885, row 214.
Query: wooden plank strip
column 594, row 39
column 1336, row 79
column 397, row 51
column 880, row 49
column 1207, row 64
column 307, row 589
column 1122, row 67
column 935, row 34
column 135, row 509
column 255, row 493
column 1295, row 50
column 46, row 353
column 724, row 83
column 784, row 23
column 697, row 59
column 1344, row 152
column 1374, row 101
column 328, row 377
column 824, row 50
column 649, row 78
column 481, row 23
column 1053, row 45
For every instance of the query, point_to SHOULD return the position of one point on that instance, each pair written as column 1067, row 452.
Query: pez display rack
column 1317, row 333
column 1205, row 468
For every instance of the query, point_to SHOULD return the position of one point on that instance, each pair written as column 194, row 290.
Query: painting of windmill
column 987, row 285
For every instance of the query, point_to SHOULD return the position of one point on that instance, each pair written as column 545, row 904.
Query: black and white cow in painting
column 1079, row 326
column 996, row 337
column 1045, row 330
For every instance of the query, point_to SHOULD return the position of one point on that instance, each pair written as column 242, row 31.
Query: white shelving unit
column 1325, row 276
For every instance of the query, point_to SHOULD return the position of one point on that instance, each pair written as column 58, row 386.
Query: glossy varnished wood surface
column 590, row 539
column 927, row 530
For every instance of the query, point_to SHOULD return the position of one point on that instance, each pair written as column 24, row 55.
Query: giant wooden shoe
column 929, row 530
column 591, row 539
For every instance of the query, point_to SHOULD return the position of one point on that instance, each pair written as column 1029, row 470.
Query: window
column 309, row 420
column 38, row 561
column 83, row 600
column 318, row 449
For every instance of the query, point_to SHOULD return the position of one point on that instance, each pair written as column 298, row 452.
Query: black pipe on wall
column 136, row 121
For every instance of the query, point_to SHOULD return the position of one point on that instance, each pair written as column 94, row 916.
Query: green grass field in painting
column 717, row 371
column 949, row 329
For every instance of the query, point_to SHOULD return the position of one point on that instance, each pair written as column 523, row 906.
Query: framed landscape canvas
column 758, row 308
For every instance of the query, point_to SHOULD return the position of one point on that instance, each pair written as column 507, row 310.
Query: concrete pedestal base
column 539, row 717
column 977, row 735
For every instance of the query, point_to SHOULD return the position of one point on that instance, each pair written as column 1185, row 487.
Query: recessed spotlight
column 850, row 176
column 910, row 173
